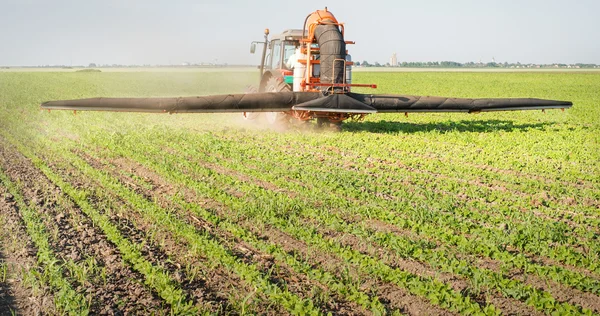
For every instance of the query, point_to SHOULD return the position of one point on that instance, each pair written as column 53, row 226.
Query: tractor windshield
column 275, row 54
column 289, row 48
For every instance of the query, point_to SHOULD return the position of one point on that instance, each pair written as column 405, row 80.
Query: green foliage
column 482, row 198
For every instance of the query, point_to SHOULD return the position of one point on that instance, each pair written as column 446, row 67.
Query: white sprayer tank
column 299, row 71
column 348, row 70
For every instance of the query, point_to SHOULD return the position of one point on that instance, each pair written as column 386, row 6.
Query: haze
column 139, row 32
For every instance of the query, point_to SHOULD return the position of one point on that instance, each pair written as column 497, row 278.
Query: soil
column 391, row 295
column 18, row 254
column 507, row 305
column 279, row 272
column 212, row 289
column 588, row 298
column 75, row 238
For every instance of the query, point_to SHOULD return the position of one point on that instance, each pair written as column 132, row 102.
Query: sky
column 63, row 32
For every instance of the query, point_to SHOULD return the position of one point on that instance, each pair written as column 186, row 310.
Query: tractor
column 306, row 74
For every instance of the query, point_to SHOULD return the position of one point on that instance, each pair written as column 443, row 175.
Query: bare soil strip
column 211, row 288
column 507, row 304
column 17, row 258
column 153, row 188
column 111, row 287
column 333, row 264
column 394, row 297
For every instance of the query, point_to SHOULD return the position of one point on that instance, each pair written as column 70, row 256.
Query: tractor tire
column 322, row 122
column 251, row 116
column 335, row 126
column 276, row 118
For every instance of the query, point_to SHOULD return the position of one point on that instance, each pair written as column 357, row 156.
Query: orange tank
column 316, row 18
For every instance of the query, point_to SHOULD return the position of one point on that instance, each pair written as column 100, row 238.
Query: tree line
column 453, row 64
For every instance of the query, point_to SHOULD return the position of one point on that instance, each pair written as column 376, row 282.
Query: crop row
column 435, row 291
column 201, row 242
column 67, row 300
column 460, row 175
column 321, row 218
column 345, row 285
column 525, row 236
column 155, row 277
column 260, row 171
column 492, row 248
column 194, row 153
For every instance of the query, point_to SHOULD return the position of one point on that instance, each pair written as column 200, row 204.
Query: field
column 494, row 213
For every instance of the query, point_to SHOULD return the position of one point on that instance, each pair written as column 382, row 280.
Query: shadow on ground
column 7, row 301
column 481, row 126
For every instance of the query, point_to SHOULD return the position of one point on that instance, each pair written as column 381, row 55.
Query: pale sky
column 37, row 32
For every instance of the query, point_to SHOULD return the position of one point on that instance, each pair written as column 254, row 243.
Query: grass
column 483, row 198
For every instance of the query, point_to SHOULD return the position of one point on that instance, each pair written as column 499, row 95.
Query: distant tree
column 91, row 65
column 387, row 64
column 357, row 63
column 377, row 64
column 365, row 63
column 450, row 64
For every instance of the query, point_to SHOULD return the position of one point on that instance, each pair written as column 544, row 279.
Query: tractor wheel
column 275, row 85
column 336, row 126
column 322, row 122
column 251, row 116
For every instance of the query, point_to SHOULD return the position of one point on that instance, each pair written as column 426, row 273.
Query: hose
column 332, row 47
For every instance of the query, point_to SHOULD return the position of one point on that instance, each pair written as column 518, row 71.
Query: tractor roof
column 288, row 35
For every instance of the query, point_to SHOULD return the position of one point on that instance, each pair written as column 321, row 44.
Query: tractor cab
column 281, row 48
column 277, row 52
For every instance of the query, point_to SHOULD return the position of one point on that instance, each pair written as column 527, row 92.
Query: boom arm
column 302, row 101
column 332, row 100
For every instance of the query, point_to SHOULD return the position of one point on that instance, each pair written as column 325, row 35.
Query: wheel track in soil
column 119, row 294
column 18, row 252
column 397, row 297
column 562, row 292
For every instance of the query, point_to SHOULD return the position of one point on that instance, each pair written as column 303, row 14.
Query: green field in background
column 495, row 200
